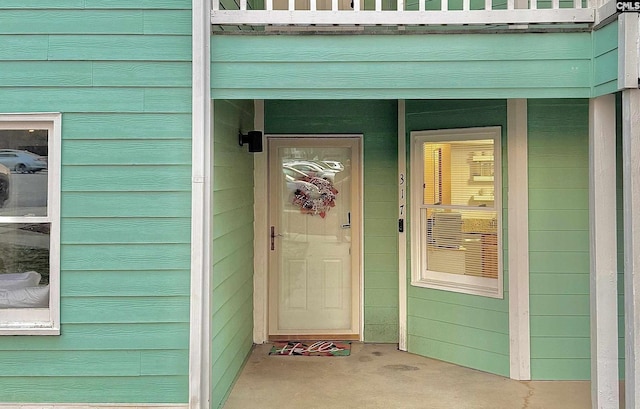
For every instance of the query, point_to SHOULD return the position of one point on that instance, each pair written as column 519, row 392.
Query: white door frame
column 261, row 233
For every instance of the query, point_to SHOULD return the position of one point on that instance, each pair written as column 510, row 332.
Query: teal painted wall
column 377, row 121
column 605, row 59
column 122, row 80
column 559, row 238
column 468, row 330
column 444, row 66
column 232, row 283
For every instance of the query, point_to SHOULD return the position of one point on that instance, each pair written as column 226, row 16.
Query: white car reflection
column 5, row 175
column 311, row 168
column 22, row 161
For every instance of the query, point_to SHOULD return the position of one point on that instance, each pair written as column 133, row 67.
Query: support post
column 628, row 50
column 603, row 253
column 631, row 198
column 201, row 199
column 518, row 216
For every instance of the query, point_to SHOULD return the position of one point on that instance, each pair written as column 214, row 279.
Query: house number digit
column 402, row 194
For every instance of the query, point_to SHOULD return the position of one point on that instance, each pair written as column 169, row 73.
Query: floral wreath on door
column 314, row 195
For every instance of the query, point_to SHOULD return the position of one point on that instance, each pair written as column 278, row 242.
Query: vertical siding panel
column 125, row 244
column 605, row 59
column 559, row 242
column 232, row 299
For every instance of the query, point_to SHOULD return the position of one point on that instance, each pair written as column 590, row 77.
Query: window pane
column 23, row 172
column 459, row 173
column 24, row 265
column 462, row 242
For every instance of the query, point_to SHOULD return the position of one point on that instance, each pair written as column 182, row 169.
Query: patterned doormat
column 311, row 348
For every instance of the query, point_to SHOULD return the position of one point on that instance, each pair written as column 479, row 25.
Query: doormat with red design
column 311, row 348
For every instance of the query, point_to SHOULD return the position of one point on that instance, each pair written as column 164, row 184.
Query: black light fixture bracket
column 253, row 138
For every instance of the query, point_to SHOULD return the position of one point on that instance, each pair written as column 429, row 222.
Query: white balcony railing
column 404, row 12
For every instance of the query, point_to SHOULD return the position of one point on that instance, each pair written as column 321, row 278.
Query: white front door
column 314, row 215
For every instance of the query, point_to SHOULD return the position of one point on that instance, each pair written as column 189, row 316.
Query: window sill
column 26, row 329
column 28, row 321
column 485, row 287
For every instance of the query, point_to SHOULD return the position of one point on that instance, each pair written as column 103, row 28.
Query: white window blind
column 457, row 209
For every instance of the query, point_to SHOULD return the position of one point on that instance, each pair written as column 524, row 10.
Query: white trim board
column 603, row 252
column 260, row 237
column 201, row 221
column 518, row 240
column 92, row 405
column 631, row 210
column 402, row 218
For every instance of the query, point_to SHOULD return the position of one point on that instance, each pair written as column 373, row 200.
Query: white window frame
column 420, row 276
column 40, row 321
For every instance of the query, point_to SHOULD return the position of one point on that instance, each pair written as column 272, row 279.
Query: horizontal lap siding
column 377, row 121
column 232, row 285
column 467, row 330
column 120, row 73
column 559, row 239
column 605, row 59
column 447, row 66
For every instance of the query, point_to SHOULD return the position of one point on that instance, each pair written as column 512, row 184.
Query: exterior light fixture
column 253, row 138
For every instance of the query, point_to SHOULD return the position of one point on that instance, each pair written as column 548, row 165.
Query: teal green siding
column 467, row 330
column 445, row 66
column 122, row 81
column 605, row 59
column 377, row 121
column 232, row 283
column 559, row 238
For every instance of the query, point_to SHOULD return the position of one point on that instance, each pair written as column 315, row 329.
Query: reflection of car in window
column 334, row 165
column 5, row 174
column 312, row 169
column 293, row 173
column 22, row 161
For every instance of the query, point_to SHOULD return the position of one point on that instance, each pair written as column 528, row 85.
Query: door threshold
column 315, row 337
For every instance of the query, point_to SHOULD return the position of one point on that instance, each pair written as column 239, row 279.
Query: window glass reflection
column 24, row 265
column 23, row 172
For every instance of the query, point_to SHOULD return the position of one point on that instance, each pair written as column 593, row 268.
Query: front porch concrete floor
column 379, row 376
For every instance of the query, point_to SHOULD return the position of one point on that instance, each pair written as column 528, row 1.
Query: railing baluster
column 567, row 11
